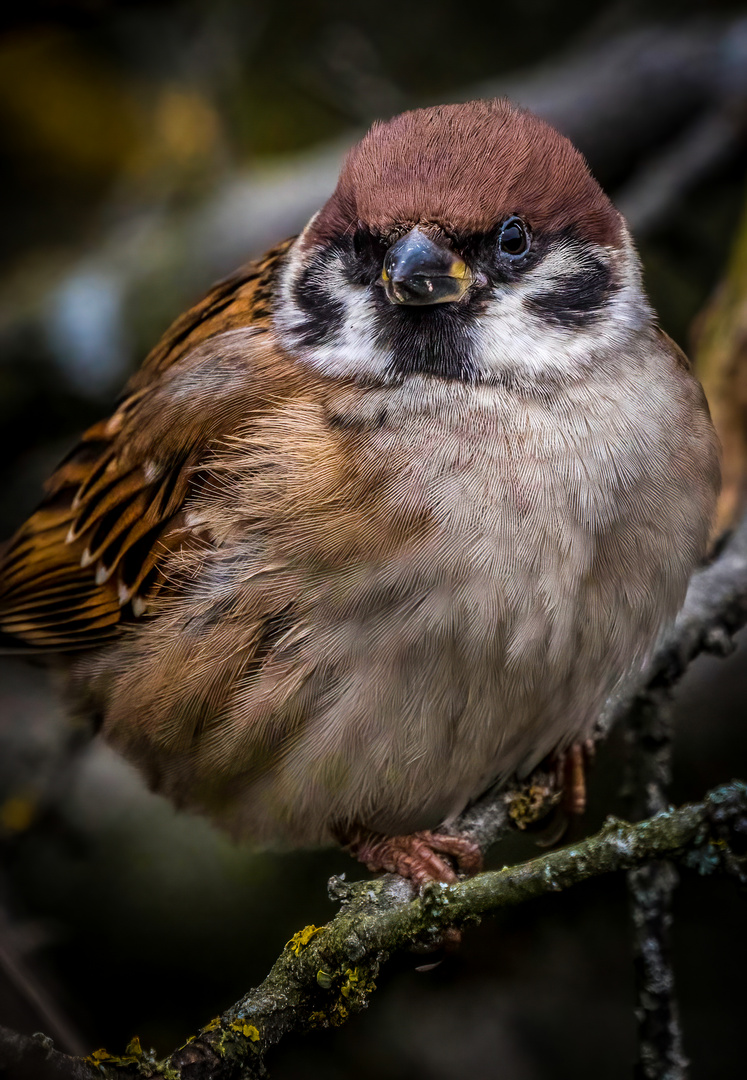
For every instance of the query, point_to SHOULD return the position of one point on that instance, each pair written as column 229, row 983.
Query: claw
column 571, row 772
column 420, row 857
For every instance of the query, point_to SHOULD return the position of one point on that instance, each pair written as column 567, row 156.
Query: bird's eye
column 513, row 240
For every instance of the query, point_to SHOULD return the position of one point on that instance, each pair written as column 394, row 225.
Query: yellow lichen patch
column 356, row 986
column 131, row 1056
column 531, row 803
column 213, row 1025
column 249, row 1031
column 302, row 938
column 134, row 1049
column 357, row 981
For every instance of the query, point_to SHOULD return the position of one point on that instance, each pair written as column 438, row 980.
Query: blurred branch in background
column 654, row 109
column 36, row 779
column 16, row 942
column 721, row 361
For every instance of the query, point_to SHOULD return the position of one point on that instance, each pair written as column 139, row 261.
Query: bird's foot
column 420, row 857
column 571, row 766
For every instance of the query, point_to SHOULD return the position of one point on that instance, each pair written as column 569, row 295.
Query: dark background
column 148, row 148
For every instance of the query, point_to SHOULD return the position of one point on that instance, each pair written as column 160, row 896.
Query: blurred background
column 149, row 148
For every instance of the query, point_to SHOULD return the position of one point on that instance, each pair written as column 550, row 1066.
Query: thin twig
column 34, row 1057
column 651, row 887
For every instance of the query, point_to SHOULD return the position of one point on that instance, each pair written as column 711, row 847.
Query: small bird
column 384, row 519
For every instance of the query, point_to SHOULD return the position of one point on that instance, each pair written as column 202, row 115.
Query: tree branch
column 24, row 1057
column 325, row 974
column 651, row 887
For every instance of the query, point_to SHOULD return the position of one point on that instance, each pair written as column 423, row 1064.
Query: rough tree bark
column 325, row 974
column 661, row 1054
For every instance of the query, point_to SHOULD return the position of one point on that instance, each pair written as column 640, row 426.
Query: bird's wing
column 93, row 553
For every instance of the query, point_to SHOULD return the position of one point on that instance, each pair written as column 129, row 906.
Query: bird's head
column 463, row 242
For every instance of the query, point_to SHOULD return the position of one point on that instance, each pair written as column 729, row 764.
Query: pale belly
column 412, row 680
column 429, row 700
column 464, row 660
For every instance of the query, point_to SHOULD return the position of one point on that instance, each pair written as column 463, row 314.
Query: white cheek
column 513, row 339
column 508, row 338
column 352, row 350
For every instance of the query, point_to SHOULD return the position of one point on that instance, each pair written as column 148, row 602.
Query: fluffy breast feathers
column 338, row 560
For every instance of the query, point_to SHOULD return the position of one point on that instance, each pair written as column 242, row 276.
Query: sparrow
column 385, row 518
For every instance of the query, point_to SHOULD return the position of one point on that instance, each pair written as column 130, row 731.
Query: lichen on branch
column 326, row 974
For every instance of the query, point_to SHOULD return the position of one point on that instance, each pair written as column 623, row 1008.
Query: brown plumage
column 114, row 507
column 385, row 517
column 445, row 159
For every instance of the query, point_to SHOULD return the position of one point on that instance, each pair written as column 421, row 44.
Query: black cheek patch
column 578, row 299
column 324, row 314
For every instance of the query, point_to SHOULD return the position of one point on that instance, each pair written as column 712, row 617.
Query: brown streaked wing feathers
column 91, row 555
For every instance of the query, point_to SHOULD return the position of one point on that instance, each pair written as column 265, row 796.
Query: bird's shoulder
column 244, row 298
column 93, row 554
column 667, row 345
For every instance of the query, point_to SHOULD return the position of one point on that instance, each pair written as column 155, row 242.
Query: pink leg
column 571, row 773
column 419, row 856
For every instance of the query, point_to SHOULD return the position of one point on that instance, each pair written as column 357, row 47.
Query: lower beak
column 419, row 271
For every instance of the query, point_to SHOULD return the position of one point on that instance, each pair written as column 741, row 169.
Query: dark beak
column 419, row 271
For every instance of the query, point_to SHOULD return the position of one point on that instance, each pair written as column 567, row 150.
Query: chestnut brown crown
column 467, row 167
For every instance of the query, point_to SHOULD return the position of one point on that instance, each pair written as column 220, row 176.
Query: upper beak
column 419, row 271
